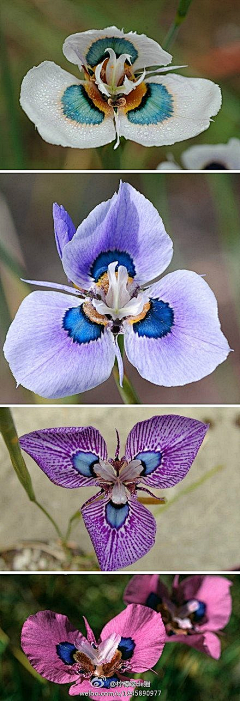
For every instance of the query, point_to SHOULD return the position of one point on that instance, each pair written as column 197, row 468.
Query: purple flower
column 60, row 345
column 193, row 612
column 133, row 641
column 158, row 453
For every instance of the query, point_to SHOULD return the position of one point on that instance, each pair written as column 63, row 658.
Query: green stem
column 75, row 517
column 127, row 391
column 111, row 159
column 180, row 16
column 10, row 437
column 190, row 488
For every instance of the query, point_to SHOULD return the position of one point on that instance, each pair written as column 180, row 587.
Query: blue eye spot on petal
column 66, row 651
column 153, row 601
column 96, row 54
column 116, row 514
column 84, row 463
column 156, row 106
column 77, row 105
column 200, row 612
column 79, row 327
column 100, row 265
column 158, row 321
column 126, row 647
column 150, row 460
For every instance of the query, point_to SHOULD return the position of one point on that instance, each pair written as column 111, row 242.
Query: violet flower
column 195, row 610
column 61, row 344
column 118, row 95
column 158, row 453
column 131, row 642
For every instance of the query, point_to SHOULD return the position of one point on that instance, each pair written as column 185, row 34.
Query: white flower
column 119, row 94
column 207, row 157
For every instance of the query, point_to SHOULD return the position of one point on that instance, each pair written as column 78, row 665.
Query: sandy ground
column 199, row 532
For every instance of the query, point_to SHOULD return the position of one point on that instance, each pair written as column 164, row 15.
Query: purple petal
column 131, row 537
column 193, row 345
column 148, row 250
column 214, row 591
column 42, row 355
column 170, row 442
column 41, row 634
column 204, row 642
column 146, row 629
column 64, row 228
column 66, row 455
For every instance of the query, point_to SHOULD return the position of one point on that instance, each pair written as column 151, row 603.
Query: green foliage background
column 183, row 674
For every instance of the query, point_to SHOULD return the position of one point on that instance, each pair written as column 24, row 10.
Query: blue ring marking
column 126, row 647
column 84, row 463
column 66, row 651
column 79, row 327
column 150, row 460
column 78, row 106
column 96, row 54
column 200, row 612
column 155, row 107
column 116, row 514
column 153, row 601
column 158, row 321
column 100, row 265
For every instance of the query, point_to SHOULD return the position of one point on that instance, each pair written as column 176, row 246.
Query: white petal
column 119, row 494
column 168, row 165
column 41, row 95
column 148, row 51
column 106, row 471
column 199, row 157
column 131, row 471
column 192, row 103
column 108, row 647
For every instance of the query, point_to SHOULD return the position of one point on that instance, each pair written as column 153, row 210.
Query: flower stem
column 190, row 488
column 180, row 16
column 127, row 391
column 10, row 437
column 111, row 159
column 75, row 517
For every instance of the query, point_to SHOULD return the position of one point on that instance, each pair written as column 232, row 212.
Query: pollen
column 93, row 315
column 134, row 319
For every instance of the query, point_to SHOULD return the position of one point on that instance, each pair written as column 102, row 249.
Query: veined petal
column 93, row 44
column 147, row 631
column 54, row 350
column 170, row 444
column 103, row 238
column 67, row 455
column 41, row 636
column 62, row 108
column 63, row 227
column 185, row 348
column 121, row 534
column 213, row 156
column 172, row 109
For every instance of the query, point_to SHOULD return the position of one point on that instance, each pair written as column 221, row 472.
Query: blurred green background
column 34, row 31
column 184, row 674
column 201, row 214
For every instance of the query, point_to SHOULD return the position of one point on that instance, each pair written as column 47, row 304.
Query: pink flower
column 131, row 642
column 192, row 613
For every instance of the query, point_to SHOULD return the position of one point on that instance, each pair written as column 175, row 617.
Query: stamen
column 118, row 446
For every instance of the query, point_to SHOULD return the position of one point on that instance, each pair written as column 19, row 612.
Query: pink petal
column 41, row 634
column 146, row 629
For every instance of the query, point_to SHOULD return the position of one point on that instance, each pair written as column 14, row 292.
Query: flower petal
column 45, row 358
column 214, row 591
column 174, row 108
column 104, row 237
column 139, row 587
column 213, row 156
column 60, row 107
column 66, row 455
column 41, row 636
column 63, row 227
column 121, row 534
column 91, row 46
column 146, row 629
column 170, row 444
column 204, row 642
column 188, row 349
